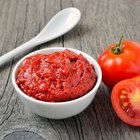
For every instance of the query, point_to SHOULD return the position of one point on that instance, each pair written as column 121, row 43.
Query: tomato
column 120, row 61
column 125, row 99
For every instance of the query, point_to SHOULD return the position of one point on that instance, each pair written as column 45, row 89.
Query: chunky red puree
column 56, row 77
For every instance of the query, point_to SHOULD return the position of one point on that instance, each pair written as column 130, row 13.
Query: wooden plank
column 80, row 38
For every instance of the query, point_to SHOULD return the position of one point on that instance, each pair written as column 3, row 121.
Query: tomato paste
column 56, row 77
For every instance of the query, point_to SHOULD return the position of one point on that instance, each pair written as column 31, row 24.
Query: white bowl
column 58, row 110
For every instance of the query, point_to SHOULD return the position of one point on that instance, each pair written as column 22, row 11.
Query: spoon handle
column 24, row 47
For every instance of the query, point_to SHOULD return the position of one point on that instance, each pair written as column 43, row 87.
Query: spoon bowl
column 61, row 23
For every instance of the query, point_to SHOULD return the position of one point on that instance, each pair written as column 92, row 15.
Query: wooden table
column 102, row 22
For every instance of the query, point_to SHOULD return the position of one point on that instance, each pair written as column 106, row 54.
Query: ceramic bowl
column 58, row 110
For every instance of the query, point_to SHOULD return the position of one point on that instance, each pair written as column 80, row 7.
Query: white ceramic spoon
column 61, row 23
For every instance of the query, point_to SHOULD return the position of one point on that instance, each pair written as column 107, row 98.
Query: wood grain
column 102, row 22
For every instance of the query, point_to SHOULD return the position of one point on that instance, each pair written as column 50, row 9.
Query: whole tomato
column 120, row 61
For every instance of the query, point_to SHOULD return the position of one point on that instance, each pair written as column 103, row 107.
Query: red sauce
column 56, row 77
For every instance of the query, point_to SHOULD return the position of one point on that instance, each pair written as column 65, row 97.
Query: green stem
column 118, row 48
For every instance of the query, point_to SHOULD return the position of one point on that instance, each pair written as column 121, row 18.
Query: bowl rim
column 21, row 93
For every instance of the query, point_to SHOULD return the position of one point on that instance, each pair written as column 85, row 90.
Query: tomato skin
column 117, row 67
column 133, row 87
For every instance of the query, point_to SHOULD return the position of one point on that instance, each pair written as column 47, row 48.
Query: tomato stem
column 118, row 48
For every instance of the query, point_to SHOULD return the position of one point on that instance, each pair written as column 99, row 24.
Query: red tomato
column 120, row 61
column 125, row 99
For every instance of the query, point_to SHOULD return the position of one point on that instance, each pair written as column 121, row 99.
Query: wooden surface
column 102, row 22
